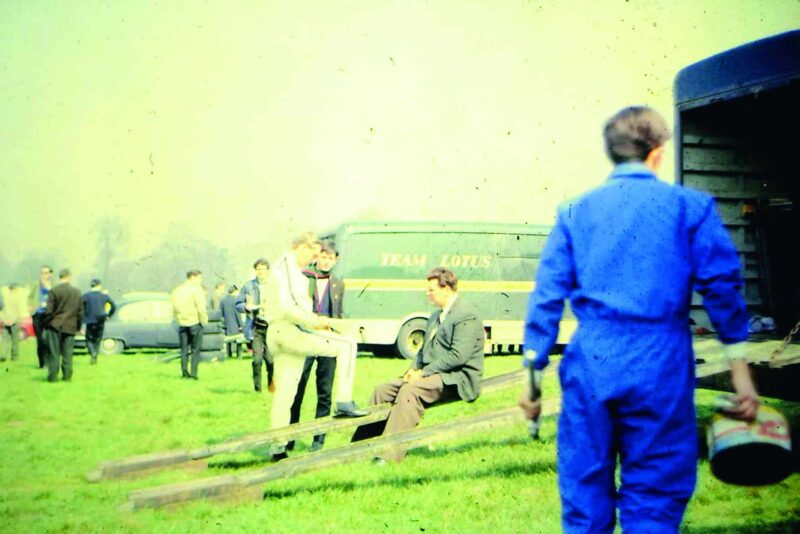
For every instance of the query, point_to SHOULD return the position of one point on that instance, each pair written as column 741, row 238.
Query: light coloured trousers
column 290, row 346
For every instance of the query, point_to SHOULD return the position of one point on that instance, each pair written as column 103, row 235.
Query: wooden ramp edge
column 233, row 485
column 148, row 463
column 247, row 483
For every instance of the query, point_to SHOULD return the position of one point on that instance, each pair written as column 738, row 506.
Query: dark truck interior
column 738, row 127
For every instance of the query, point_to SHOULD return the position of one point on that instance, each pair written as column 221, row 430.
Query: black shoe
column 279, row 456
column 317, row 446
column 193, row 377
column 349, row 409
column 257, row 388
column 185, row 374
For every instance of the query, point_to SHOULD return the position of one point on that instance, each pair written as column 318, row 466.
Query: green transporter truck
column 384, row 265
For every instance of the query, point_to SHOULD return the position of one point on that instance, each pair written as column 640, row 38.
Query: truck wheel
column 410, row 338
column 111, row 346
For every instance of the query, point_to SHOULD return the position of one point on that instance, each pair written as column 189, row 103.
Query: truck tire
column 110, row 346
column 410, row 338
column 212, row 342
column 214, row 327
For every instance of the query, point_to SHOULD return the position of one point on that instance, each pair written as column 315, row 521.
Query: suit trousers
column 261, row 356
column 190, row 336
column 9, row 342
column 59, row 352
column 41, row 339
column 326, row 369
column 94, row 335
column 410, row 400
column 290, row 345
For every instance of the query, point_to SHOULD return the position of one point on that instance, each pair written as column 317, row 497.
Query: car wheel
column 111, row 346
column 410, row 338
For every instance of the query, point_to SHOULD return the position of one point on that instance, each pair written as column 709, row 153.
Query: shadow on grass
column 786, row 526
column 403, row 482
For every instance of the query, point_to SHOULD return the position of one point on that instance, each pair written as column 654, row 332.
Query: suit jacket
column 64, row 309
column 454, row 349
column 335, row 292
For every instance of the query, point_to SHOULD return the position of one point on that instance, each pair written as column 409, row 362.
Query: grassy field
column 497, row 481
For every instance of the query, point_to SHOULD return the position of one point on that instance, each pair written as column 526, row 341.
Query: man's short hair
column 260, row 261
column 192, row 273
column 633, row 133
column 233, row 289
column 64, row 273
column 49, row 269
column 444, row 277
column 306, row 238
column 328, row 248
column 13, row 285
column 95, row 282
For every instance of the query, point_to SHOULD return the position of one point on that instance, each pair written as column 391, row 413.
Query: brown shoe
column 271, row 386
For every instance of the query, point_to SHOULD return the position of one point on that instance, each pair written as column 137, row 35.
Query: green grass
column 497, row 481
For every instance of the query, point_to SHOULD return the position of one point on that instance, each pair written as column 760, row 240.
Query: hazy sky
column 243, row 119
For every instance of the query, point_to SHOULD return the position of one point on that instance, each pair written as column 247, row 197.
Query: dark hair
column 63, row 273
column 193, row 272
column 633, row 133
column 328, row 248
column 47, row 267
column 233, row 288
column 445, row 277
column 95, row 282
column 13, row 285
column 260, row 261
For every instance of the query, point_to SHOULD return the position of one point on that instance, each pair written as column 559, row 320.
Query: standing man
column 189, row 306
column 97, row 307
column 251, row 302
column 449, row 364
column 327, row 292
column 628, row 255
column 62, row 320
column 37, row 302
column 295, row 332
column 14, row 309
column 232, row 321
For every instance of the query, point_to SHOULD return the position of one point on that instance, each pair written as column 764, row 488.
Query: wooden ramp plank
column 230, row 485
column 363, row 450
column 147, row 463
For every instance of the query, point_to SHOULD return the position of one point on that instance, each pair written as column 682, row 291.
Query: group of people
column 58, row 313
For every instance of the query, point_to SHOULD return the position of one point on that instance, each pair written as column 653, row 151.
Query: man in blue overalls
column 628, row 255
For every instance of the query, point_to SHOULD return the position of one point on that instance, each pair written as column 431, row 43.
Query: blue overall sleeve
column 555, row 280
column 715, row 265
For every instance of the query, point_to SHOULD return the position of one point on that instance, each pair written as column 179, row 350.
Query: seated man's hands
column 412, row 374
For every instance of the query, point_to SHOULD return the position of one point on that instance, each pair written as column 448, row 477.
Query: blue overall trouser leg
column 636, row 404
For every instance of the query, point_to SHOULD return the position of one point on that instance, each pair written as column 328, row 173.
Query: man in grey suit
column 449, row 364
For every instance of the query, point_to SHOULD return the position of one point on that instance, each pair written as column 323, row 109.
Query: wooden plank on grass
column 231, row 485
column 147, row 463
column 216, row 487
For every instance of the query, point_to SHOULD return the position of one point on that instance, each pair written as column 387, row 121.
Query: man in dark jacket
column 250, row 302
column 232, row 321
column 97, row 307
column 327, row 291
column 62, row 319
column 449, row 364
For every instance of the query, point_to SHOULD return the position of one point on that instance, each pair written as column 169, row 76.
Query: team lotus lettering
column 391, row 259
